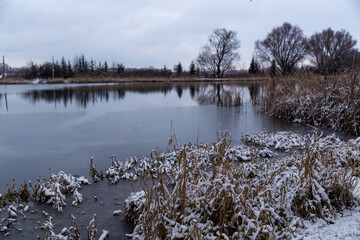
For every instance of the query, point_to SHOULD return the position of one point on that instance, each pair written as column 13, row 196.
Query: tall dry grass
column 332, row 101
column 260, row 199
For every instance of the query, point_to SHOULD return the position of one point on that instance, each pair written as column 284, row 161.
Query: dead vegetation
column 51, row 190
column 332, row 101
column 54, row 191
column 94, row 173
column 138, row 79
column 219, row 191
column 212, row 196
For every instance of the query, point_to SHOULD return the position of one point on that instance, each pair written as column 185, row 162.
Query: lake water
column 47, row 128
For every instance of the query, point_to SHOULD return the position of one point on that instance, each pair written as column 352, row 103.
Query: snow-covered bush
column 279, row 140
column 258, row 199
column 53, row 189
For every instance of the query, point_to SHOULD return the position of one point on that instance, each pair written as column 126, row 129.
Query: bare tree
column 220, row 54
column 285, row 44
column 328, row 49
column 219, row 94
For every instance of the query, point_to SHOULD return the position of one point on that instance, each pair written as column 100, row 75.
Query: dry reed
column 332, row 101
column 209, row 195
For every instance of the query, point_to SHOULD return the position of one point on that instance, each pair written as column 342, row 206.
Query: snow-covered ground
column 346, row 227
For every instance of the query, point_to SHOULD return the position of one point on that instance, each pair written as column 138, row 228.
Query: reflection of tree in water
column 179, row 91
column 92, row 94
column 220, row 95
column 5, row 100
column 192, row 91
column 254, row 91
column 82, row 96
column 204, row 93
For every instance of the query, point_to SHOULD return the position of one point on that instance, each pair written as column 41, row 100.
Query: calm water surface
column 47, row 128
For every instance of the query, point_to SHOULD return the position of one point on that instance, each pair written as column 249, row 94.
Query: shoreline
column 332, row 150
column 126, row 80
column 109, row 198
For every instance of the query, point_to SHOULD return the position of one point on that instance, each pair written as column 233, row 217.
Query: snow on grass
column 331, row 102
column 346, row 226
column 67, row 233
column 356, row 191
column 78, row 198
column 133, row 168
column 278, row 140
column 219, row 191
column 134, row 204
column 117, row 212
column 53, row 189
column 104, row 235
column 14, row 211
column 208, row 196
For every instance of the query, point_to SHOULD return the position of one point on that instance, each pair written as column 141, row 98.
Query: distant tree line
column 281, row 52
column 64, row 69
column 82, row 67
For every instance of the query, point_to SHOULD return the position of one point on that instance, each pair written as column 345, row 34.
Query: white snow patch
column 35, row 81
column 104, row 235
column 117, row 212
column 345, row 227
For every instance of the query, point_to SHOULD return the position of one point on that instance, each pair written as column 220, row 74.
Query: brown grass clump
column 333, row 101
column 12, row 194
column 258, row 199
column 92, row 230
column 325, row 184
column 54, row 189
column 72, row 232
column 94, row 173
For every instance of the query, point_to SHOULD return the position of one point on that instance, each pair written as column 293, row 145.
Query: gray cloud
column 157, row 32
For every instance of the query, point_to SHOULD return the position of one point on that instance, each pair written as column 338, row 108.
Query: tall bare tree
column 328, row 50
column 285, row 44
column 220, row 54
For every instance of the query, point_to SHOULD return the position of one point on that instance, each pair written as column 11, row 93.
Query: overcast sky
column 154, row 32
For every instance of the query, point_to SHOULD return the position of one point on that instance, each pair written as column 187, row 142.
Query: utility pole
column 53, row 70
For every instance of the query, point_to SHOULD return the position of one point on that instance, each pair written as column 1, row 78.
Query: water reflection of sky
column 102, row 98
column 59, row 127
column 133, row 101
column 21, row 99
